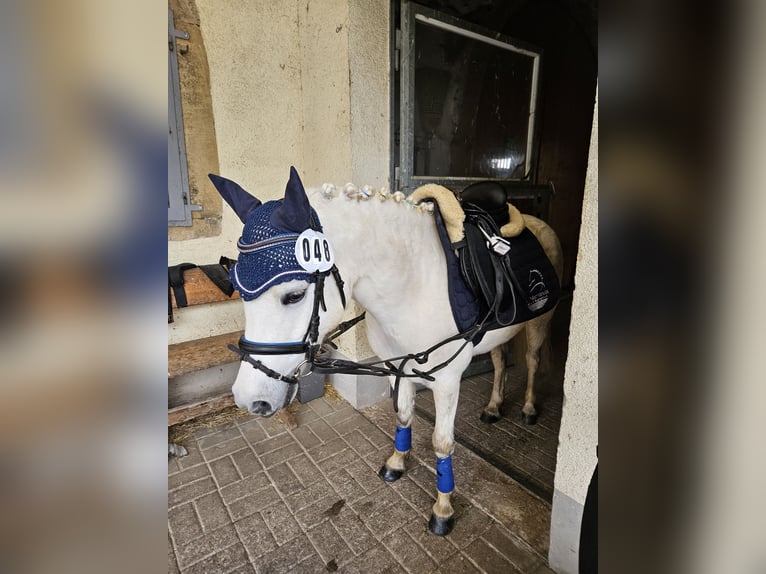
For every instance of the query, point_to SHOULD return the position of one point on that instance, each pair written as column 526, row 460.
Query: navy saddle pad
column 513, row 288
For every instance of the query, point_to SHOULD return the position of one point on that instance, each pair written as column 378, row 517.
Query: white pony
column 391, row 261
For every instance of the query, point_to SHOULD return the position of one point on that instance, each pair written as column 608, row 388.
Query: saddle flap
column 476, row 265
column 517, row 282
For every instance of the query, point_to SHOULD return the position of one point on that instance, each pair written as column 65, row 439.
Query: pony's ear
column 240, row 201
column 295, row 212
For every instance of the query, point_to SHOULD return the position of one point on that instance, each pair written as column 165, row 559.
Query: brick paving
column 253, row 496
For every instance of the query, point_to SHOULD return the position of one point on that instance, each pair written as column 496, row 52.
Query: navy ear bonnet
column 266, row 254
column 267, row 246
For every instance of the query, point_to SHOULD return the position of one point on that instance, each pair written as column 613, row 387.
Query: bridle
column 308, row 346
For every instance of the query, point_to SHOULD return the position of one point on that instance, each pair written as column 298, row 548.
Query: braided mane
column 367, row 193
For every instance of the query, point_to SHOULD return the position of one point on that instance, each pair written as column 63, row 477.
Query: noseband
column 308, row 346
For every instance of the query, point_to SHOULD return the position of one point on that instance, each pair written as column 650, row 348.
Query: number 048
column 313, row 251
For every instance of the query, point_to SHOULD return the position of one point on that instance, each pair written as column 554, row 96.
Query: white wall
column 578, row 436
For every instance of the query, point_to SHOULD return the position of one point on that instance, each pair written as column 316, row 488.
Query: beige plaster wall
column 255, row 83
column 345, row 79
column 370, row 80
column 326, row 98
column 578, row 436
column 301, row 83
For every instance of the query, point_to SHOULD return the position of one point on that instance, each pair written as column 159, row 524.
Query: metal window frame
column 179, row 204
column 412, row 13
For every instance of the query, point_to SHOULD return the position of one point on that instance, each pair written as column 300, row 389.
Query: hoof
column 441, row 526
column 488, row 418
column 389, row 475
column 529, row 419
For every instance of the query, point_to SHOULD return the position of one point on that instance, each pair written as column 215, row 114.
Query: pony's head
column 283, row 260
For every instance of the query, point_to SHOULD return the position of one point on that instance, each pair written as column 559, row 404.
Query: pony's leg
column 491, row 413
column 445, row 400
column 394, row 467
column 537, row 332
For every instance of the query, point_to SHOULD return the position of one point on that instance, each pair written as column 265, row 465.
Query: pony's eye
column 294, row 297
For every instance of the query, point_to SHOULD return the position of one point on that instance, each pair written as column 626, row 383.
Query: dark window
column 468, row 102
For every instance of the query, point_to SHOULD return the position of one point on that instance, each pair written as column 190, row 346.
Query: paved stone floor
column 254, row 496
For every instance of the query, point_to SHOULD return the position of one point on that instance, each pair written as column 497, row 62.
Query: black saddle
column 489, row 196
column 510, row 277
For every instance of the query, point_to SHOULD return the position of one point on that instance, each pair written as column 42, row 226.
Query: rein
column 374, row 368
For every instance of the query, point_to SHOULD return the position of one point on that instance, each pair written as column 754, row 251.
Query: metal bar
column 407, row 97
column 474, row 35
column 469, row 179
column 532, row 114
column 394, row 55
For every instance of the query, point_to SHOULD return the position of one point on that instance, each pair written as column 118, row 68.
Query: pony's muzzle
column 262, row 408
